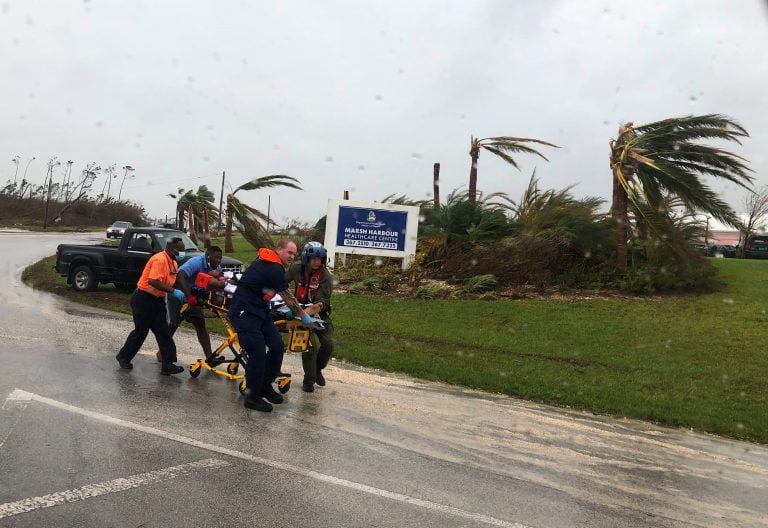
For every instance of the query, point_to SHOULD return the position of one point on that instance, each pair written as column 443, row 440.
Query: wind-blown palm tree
column 662, row 158
column 250, row 219
column 503, row 147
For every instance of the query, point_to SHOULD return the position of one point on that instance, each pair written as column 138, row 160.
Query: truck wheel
column 83, row 279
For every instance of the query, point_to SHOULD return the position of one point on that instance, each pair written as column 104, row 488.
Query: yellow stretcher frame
column 299, row 340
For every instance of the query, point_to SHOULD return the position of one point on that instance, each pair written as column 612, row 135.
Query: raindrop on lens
column 361, row 168
column 422, row 218
column 416, row 155
column 292, row 231
column 329, row 159
column 378, row 261
column 379, row 98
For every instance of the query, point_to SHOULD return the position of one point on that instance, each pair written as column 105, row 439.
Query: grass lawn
column 694, row 361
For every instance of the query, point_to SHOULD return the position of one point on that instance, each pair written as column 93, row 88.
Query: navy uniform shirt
column 262, row 277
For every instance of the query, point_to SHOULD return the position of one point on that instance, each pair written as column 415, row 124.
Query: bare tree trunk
column 192, row 227
column 48, row 201
column 228, row 247
column 474, row 153
column 436, row 185
column 206, row 230
column 620, row 219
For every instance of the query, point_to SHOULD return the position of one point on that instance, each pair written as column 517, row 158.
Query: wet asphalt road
column 83, row 443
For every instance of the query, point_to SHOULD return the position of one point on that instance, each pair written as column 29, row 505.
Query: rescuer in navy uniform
column 249, row 314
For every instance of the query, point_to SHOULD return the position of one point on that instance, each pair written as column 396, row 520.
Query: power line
column 173, row 181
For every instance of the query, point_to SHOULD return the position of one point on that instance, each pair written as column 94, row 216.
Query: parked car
column 699, row 247
column 755, row 247
column 85, row 266
column 724, row 250
column 117, row 229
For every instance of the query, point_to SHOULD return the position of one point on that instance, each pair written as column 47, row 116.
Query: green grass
column 692, row 361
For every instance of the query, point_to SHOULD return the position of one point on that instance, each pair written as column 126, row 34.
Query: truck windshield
column 164, row 236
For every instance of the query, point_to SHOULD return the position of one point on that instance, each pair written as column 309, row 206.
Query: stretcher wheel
column 241, row 387
column 195, row 369
column 283, row 382
column 232, row 368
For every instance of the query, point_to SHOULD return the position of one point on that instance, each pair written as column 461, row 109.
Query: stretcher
column 298, row 340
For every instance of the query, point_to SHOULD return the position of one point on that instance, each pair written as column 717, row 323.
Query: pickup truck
column 85, row 266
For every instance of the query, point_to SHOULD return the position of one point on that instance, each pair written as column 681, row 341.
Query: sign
column 379, row 229
column 371, row 228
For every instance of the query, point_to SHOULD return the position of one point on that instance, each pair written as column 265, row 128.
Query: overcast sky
column 365, row 96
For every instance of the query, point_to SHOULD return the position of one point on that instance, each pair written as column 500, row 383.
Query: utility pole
column 221, row 199
column 436, row 185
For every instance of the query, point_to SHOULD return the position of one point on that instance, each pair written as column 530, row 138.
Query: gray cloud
column 365, row 96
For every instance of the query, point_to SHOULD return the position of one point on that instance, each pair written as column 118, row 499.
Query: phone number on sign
column 370, row 244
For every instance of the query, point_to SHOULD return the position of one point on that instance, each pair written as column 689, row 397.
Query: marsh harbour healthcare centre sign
column 378, row 229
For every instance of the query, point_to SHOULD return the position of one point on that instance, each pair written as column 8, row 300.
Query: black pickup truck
column 85, row 266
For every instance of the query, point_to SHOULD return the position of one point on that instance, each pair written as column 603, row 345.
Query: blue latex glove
column 179, row 296
column 306, row 320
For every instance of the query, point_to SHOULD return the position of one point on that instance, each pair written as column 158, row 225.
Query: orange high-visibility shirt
column 160, row 267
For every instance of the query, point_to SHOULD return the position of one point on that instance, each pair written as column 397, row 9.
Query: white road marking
column 429, row 505
column 94, row 490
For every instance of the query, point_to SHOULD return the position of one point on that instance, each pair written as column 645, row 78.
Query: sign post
column 378, row 229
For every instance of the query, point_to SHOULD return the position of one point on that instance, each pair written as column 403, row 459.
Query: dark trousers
column 148, row 314
column 261, row 340
column 318, row 357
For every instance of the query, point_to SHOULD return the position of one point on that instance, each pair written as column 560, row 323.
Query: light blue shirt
column 194, row 266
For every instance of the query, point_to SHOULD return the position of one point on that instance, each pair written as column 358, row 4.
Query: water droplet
column 728, row 300
column 209, row 127
column 415, row 155
column 29, row 21
column 5, row 7
column 740, row 426
column 174, row 61
column 587, row 254
column 692, row 99
column 206, row 159
column 379, row 97
column 675, row 147
column 463, row 116
column 190, row 78
column 329, row 159
column 725, row 378
column 361, row 168
column 293, row 231
column 99, row 123
column 422, row 218
column 276, row 147
column 473, row 262
column 378, row 261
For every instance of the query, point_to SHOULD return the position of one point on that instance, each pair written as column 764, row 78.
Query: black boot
column 320, row 378
column 171, row 368
column 308, row 386
column 271, row 394
column 257, row 404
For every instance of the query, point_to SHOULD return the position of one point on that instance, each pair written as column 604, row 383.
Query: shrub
column 430, row 291
column 480, row 284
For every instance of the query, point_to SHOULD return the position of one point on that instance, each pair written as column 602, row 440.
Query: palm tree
column 650, row 161
column 184, row 199
column 249, row 218
column 502, row 146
